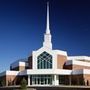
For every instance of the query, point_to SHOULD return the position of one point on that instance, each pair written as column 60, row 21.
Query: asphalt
column 50, row 88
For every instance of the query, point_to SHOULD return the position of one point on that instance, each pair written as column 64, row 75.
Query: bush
column 2, row 82
column 23, row 84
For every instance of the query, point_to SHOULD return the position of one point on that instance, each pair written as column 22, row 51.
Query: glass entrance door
column 41, row 79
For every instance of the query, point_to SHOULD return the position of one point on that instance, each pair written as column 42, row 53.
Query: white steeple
column 47, row 25
column 47, row 37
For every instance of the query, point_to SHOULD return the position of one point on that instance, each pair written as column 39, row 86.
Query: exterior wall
column 19, row 79
column 10, row 80
column 77, row 80
column 21, row 68
column 61, row 61
column 75, row 67
column 65, row 79
column 30, row 62
column 41, row 50
column 13, row 80
column 87, row 79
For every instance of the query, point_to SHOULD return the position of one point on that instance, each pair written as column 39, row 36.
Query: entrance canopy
column 46, row 72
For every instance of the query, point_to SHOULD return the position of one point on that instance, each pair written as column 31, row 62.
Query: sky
column 23, row 24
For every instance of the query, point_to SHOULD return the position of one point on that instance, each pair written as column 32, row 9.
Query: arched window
column 44, row 61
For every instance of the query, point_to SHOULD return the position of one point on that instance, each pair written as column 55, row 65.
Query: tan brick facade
column 75, row 67
column 10, row 80
column 21, row 68
column 61, row 61
column 77, row 79
column 87, row 79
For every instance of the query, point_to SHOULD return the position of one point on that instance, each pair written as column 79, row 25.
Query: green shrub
column 2, row 82
column 23, row 84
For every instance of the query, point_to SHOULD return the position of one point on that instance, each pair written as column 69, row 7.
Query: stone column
column 28, row 80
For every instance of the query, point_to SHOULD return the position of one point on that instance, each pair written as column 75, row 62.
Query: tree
column 23, row 84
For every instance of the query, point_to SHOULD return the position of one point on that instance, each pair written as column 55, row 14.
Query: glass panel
column 41, row 79
column 44, row 61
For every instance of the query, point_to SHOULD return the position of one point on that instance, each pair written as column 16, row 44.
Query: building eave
column 45, row 71
column 76, row 62
column 8, row 72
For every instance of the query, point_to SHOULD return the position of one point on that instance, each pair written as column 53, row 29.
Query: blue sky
column 23, row 24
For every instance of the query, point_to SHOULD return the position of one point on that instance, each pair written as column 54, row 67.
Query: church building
column 48, row 67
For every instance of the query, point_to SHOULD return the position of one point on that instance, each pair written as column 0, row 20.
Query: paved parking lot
column 50, row 88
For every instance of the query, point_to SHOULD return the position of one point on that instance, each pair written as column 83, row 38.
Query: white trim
column 86, row 71
column 56, row 80
column 54, row 54
column 8, row 72
column 21, row 63
column 77, row 72
column 28, row 80
column 12, row 72
column 85, row 58
column 47, row 37
column 41, row 50
column 60, row 52
column 76, row 62
column 46, row 71
column 81, row 71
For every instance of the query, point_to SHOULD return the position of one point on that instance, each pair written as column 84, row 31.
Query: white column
column 28, row 80
column 56, row 80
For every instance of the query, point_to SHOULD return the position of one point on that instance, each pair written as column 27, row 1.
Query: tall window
column 44, row 61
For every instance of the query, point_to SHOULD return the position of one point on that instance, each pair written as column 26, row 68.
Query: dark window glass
column 44, row 61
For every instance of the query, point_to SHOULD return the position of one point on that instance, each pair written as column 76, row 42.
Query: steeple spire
column 47, row 25
column 47, row 37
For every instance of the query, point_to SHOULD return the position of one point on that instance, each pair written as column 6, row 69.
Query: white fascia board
column 60, row 52
column 8, row 72
column 39, row 51
column 76, row 62
column 35, row 72
column 23, row 73
column 69, row 62
column 86, row 71
column 81, row 71
column 21, row 63
column 54, row 72
column 63, row 72
column 50, row 51
column 12, row 72
column 45, row 72
column 87, row 58
column 40, row 72
column 77, row 72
